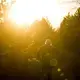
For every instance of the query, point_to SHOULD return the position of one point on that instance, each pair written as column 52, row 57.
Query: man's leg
column 49, row 74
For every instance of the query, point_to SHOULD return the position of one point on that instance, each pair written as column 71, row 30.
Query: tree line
column 15, row 42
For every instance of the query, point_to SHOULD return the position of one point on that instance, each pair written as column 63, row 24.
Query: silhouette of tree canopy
column 69, row 31
column 41, row 30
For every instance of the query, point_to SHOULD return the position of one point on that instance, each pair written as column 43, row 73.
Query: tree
column 70, row 38
column 69, row 31
column 41, row 30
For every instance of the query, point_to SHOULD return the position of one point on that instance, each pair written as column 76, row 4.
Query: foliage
column 19, row 45
column 70, row 31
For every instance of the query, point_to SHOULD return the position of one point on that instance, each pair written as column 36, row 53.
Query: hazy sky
column 55, row 10
column 68, row 6
column 64, row 6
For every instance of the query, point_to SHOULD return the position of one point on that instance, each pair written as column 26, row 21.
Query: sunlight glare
column 26, row 11
column 8, row 1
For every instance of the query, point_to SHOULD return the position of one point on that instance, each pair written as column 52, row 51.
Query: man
column 45, row 54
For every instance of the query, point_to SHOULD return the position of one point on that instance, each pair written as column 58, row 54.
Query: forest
column 19, row 46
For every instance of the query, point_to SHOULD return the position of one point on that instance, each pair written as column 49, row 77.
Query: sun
column 27, row 11
column 21, row 12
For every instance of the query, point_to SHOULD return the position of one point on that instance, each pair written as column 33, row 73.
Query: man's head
column 48, row 42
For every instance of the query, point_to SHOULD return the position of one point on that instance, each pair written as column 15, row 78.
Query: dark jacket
column 46, row 53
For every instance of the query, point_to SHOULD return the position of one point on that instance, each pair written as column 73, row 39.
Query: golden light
column 59, row 70
column 21, row 12
column 8, row 1
column 26, row 11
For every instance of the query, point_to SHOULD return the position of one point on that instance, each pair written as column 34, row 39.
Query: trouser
column 47, row 73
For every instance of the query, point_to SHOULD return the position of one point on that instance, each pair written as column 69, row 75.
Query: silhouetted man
column 45, row 54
